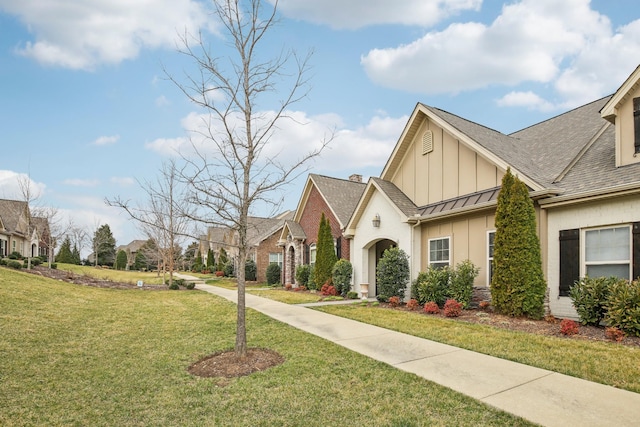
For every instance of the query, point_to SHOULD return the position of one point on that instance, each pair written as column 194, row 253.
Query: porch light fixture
column 376, row 221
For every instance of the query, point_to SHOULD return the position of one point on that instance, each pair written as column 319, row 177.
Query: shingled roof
column 397, row 197
column 11, row 211
column 341, row 195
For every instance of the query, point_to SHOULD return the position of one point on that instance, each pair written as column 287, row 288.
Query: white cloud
column 122, row 181
column 10, row 185
column 87, row 33
column 525, row 99
column 106, row 140
column 76, row 182
column 351, row 149
column 355, row 14
column 563, row 44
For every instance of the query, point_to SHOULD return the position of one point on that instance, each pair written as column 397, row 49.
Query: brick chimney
column 355, row 178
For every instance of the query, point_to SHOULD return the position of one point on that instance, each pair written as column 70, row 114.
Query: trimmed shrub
column 311, row 284
column 174, row 286
column 589, row 296
column 623, row 306
column 54, row 265
column 431, row 285
column 302, row 275
column 12, row 263
column 392, row 273
column 352, row 295
column 461, row 282
column 190, row 285
column 568, row 327
column 3, row 261
column 328, row 290
column 382, row 298
column 273, row 274
column 341, row 276
column 250, row 269
column 394, row 301
column 179, row 282
column 431, row 307
column 614, row 334
column 15, row 255
column 452, row 308
column 121, row 260
column 35, row 262
column 412, row 304
column 228, row 270
column 325, row 252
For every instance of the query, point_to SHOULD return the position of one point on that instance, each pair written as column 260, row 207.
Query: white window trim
column 312, row 253
column 583, row 249
column 429, row 250
column 489, row 257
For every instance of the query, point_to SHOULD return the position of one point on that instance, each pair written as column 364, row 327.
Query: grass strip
column 74, row 355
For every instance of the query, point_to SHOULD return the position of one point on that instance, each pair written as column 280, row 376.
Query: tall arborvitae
column 210, row 259
column 121, row 260
column 518, row 285
column 325, row 253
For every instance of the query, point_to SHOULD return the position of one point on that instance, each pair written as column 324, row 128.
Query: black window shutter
column 339, row 247
column 636, row 124
column 569, row 259
column 306, row 255
column 635, row 250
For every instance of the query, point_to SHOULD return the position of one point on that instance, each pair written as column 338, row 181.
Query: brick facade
column 310, row 222
column 267, row 246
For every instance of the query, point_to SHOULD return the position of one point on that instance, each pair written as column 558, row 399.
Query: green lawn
column 75, row 355
column 288, row 297
column 150, row 278
column 607, row 363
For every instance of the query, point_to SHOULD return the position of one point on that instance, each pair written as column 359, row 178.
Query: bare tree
column 78, row 235
column 231, row 170
column 164, row 217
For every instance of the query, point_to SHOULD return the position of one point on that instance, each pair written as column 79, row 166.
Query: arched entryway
column 375, row 250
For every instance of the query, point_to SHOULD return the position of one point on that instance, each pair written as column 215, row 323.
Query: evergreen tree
column 121, row 260
column 223, row 260
column 210, row 259
column 518, row 286
column 140, row 262
column 197, row 264
column 325, row 253
column 75, row 253
column 104, row 246
column 64, row 254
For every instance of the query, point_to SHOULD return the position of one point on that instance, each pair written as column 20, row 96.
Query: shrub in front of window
column 589, row 297
column 302, row 275
column 431, row 285
column 392, row 273
column 623, row 306
column 273, row 274
column 461, row 282
column 341, row 275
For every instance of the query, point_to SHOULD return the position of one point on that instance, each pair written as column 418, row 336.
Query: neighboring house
column 336, row 198
column 262, row 238
column 17, row 232
column 437, row 195
column 131, row 250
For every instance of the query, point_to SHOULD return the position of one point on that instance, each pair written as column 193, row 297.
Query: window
column 491, row 235
column 275, row 258
column 636, row 124
column 312, row 254
column 439, row 252
column 607, row 252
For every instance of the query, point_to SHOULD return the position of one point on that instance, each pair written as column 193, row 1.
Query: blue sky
column 86, row 110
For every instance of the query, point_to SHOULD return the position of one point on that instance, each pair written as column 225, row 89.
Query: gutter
column 591, row 195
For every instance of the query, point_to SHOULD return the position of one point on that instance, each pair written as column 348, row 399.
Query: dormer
column 623, row 110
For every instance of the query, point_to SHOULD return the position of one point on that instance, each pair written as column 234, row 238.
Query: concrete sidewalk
column 541, row 396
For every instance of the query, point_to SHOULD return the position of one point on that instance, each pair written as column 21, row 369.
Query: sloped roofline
column 370, row 189
column 413, row 124
column 306, row 192
column 609, row 111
